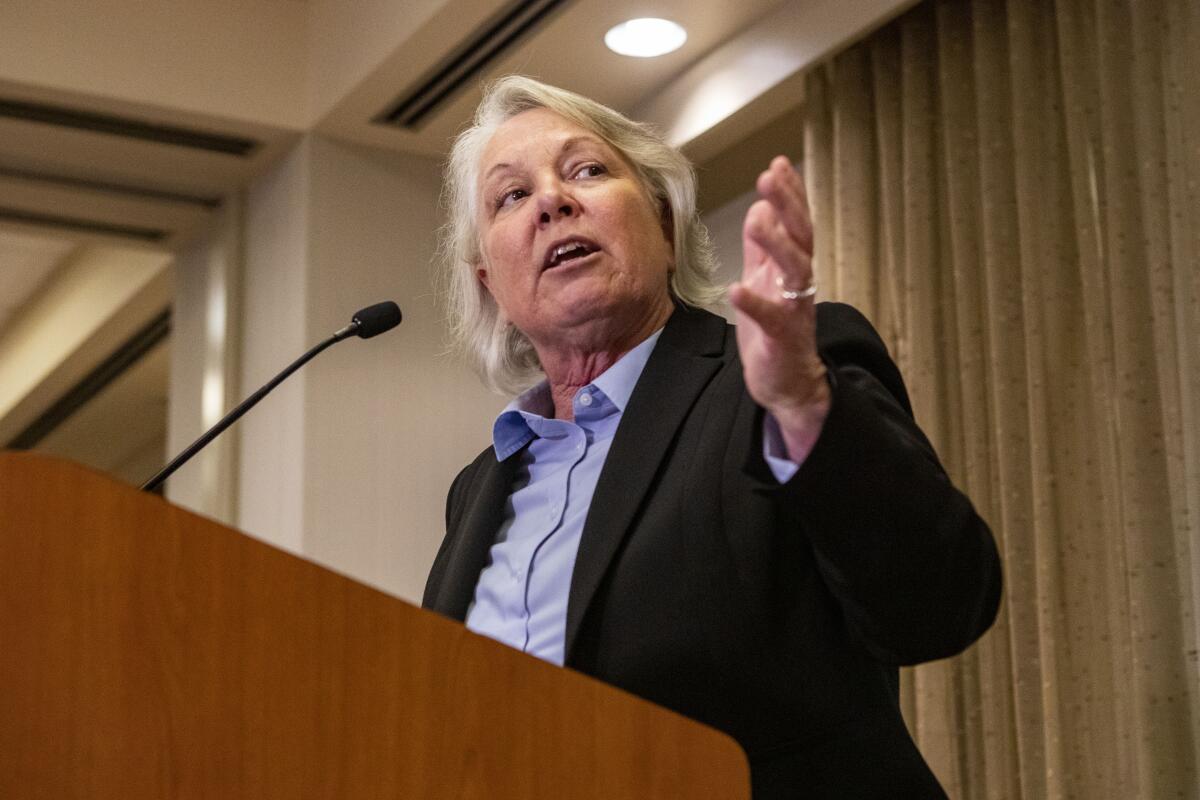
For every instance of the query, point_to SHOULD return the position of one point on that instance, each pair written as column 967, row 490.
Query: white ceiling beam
column 758, row 74
column 349, row 42
column 222, row 59
column 98, row 299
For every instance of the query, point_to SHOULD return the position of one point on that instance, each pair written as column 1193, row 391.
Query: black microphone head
column 377, row 319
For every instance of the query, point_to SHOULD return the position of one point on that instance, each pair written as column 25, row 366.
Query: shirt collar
column 617, row 381
column 511, row 431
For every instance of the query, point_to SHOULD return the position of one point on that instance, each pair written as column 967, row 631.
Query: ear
column 667, row 220
column 481, row 275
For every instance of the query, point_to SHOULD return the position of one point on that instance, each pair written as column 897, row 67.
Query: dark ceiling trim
column 125, row 356
column 79, row 225
column 488, row 42
column 208, row 202
column 124, row 126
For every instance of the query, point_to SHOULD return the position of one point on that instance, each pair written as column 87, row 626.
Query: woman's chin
column 593, row 321
column 578, row 312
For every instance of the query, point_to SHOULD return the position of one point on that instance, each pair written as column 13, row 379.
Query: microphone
column 370, row 321
column 366, row 323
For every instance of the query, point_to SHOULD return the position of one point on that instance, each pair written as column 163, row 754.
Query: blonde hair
column 502, row 355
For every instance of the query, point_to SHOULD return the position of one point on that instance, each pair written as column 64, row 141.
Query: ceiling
column 130, row 125
column 566, row 48
column 98, row 168
column 100, row 434
column 27, row 260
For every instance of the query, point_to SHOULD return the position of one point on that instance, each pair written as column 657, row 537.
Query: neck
column 569, row 367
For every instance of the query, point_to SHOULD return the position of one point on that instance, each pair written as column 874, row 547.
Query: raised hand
column 776, row 326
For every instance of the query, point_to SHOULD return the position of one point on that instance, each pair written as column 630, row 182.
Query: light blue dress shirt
column 521, row 596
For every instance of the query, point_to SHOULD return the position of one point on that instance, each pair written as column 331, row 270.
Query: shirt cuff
column 775, row 451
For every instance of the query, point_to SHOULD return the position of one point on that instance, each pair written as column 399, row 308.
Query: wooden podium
column 146, row 652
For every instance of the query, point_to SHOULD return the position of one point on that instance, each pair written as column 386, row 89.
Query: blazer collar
column 687, row 356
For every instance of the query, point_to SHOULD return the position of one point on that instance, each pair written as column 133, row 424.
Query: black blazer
column 776, row 613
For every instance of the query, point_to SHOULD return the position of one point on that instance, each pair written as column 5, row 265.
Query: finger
column 783, row 187
column 776, row 321
column 755, row 259
column 767, row 232
column 789, row 177
column 788, row 172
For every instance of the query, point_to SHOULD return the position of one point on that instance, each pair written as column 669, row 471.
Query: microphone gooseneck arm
column 234, row 415
column 368, row 322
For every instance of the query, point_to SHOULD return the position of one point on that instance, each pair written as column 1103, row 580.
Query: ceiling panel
column 122, row 430
column 27, row 261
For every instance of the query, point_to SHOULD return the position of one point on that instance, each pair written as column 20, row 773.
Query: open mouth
column 569, row 250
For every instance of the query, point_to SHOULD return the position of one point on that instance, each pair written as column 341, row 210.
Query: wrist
column 800, row 423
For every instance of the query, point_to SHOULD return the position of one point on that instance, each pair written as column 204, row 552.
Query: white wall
column 275, row 327
column 348, row 462
column 389, row 421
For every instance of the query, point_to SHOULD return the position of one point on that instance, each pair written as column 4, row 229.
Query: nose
column 554, row 203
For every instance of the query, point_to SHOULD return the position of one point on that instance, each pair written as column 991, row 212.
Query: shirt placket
column 555, row 500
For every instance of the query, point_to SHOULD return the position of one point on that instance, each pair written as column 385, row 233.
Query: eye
column 591, row 170
column 509, row 197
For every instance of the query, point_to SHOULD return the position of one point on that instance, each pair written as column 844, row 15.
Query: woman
column 746, row 527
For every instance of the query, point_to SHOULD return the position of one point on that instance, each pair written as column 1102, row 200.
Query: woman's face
column 570, row 238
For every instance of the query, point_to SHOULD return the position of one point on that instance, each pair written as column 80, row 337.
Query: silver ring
column 795, row 294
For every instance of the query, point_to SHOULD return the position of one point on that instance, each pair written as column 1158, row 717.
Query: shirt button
column 585, row 399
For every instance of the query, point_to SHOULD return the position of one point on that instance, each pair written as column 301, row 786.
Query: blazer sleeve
column 912, row 565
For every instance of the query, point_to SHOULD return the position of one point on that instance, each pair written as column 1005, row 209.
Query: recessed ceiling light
column 646, row 37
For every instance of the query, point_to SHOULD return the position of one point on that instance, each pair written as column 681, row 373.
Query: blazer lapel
column 474, row 533
column 683, row 362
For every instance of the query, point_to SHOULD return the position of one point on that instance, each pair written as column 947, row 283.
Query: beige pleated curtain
column 1012, row 192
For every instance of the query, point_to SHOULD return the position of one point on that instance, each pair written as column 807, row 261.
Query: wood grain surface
column 146, row 652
